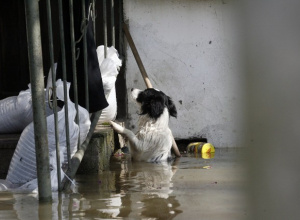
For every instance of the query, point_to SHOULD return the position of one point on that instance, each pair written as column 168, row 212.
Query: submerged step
column 96, row 158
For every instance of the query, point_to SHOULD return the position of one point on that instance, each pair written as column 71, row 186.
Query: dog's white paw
column 118, row 128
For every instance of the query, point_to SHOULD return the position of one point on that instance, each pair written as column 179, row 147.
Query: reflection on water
column 133, row 190
column 189, row 188
column 130, row 190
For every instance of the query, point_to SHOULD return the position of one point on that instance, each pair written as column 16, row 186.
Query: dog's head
column 153, row 102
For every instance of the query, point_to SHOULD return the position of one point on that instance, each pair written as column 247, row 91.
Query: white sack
column 110, row 112
column 22, row 168
column 16, row 111
column 109, row 68
column 112, row 54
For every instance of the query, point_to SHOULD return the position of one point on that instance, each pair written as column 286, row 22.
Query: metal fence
column 37, row 80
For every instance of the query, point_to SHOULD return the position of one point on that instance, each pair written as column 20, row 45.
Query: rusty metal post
column 38, row 98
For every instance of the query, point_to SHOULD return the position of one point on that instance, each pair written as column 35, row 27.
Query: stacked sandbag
column 109, row 68
column 22, row 169
column 16, row 111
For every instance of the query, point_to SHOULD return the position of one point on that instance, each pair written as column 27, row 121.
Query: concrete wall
column 191, row 51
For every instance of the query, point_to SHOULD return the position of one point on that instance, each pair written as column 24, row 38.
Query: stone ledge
column 97, row 156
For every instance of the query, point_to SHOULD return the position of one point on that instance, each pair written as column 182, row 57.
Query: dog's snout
column 135, row 93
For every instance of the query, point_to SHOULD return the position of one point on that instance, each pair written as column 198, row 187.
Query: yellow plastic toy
column 195, row 147
column 207, row 149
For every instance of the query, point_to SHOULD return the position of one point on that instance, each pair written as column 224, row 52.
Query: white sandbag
column 110, row 112
column 84, row 123
column 16, row 112
column 32, row 186
column 109, row 74
column 109, row 68
column 22, row 168
column 112, row 54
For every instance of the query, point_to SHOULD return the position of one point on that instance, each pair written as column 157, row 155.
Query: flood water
column 188, row 188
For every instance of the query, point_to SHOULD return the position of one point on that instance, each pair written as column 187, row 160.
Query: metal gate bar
column 77, row 158
column 94, row 18
column 112, row 19
column 38, row 98
column 37, row 82
column 105, row 27
column 73, row 48
column 49, row 23
column 120, row 29
column 85, row 56
column 64, row 71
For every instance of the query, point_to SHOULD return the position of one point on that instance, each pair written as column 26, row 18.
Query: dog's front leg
column 118, row 128
column 125, row 132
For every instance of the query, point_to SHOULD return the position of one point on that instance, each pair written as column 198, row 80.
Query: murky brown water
column 188, row 188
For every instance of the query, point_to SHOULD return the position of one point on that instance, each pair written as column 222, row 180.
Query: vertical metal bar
column 74, row 59
column 85, row 55
column 94, row 18
column 120, row 11
column 38, row 98
column 54, row 93
column 112, row 15
column 105, row 28
column 60, row 207
column 64, row 71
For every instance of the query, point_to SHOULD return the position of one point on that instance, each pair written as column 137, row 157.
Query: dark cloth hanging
column 97, row 100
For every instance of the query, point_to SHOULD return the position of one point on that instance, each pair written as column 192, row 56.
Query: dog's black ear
column 156, row 107
column 171, row 107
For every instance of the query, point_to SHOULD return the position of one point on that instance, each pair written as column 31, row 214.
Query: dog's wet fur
column 153, row 141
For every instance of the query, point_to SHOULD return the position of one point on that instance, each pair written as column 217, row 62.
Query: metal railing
column 37, row 77
column 38, row 97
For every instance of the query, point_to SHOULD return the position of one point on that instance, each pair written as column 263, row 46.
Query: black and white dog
column 153, row 140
